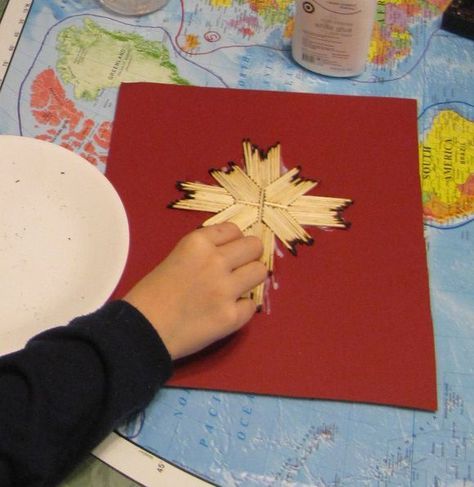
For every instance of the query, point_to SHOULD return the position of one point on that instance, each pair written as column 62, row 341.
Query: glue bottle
column 332, row 37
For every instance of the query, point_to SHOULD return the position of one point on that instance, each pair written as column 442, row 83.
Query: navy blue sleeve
column 70, row 386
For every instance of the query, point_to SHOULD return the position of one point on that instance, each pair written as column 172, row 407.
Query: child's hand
column 193, row 297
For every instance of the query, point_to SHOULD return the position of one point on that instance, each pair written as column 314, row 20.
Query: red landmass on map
column 63, row 123
column 468, row 186
column 441, row 212
column 246, row 25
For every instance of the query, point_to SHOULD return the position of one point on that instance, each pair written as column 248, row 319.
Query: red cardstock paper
column 348, row 318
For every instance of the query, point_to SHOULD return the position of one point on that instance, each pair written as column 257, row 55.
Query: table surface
column 61, row 85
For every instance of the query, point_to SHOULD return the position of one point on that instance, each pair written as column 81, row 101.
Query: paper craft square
column 347, row 318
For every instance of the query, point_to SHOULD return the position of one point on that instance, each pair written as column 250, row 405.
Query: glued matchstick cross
column 264, row 201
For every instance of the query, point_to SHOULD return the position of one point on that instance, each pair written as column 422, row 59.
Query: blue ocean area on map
column 236, row 439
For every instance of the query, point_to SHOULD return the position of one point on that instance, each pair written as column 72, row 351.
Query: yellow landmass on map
column 289, row 28
column 221, row 3
column 191, row 42
column 447, row 168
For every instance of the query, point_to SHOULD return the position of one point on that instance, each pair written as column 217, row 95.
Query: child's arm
column 71, row 385
column 192, row 297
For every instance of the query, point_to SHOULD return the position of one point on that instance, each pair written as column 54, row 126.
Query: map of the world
column 61, row 86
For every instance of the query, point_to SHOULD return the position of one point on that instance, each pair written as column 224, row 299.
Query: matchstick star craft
column 264, row 200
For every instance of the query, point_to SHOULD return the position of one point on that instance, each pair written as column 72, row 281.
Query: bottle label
column 333, row 34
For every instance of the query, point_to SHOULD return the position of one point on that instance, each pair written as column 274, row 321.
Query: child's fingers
column 221, row 233
column 242, row 251
column 248, row 276
column 246, row 308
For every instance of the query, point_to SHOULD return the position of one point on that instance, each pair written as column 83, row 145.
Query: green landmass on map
column 92, row 58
